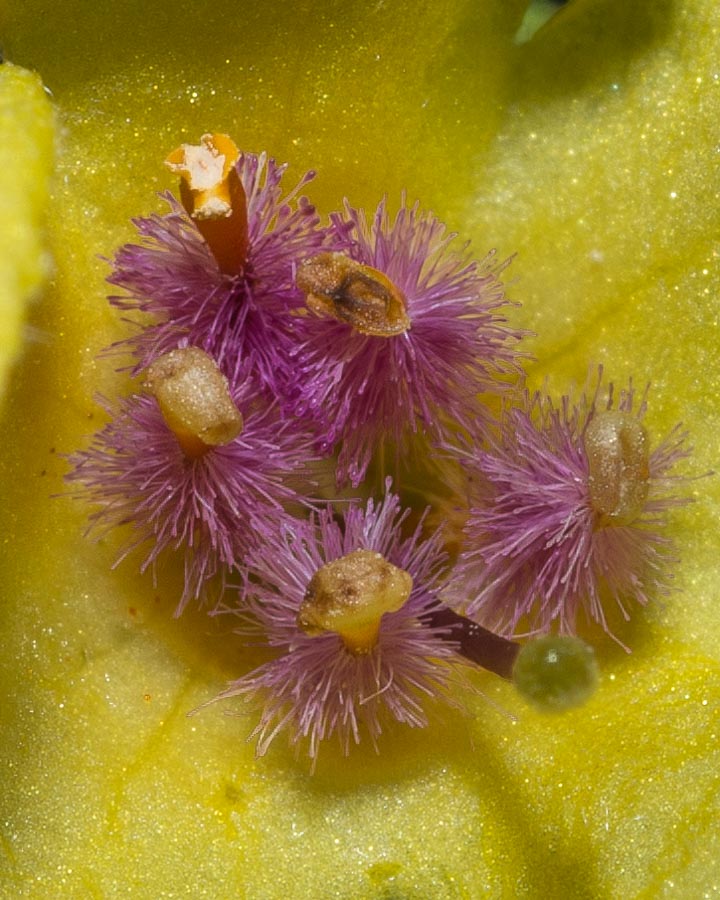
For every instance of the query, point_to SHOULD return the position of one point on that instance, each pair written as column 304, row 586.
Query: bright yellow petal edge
column 110, row 790
column 26, row 154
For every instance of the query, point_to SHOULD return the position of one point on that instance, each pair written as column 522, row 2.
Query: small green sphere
column 555, row 672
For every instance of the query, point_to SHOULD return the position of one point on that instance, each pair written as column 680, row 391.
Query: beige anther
column 348, row 291
column 617, row 450
column 194, row 399
column 350, row 596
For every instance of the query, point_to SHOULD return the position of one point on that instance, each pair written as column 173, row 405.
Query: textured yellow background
column 26, row 124
column 592, row 153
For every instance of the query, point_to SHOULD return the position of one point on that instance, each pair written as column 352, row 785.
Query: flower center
column 214, row 198
column 194, row 399
column 350, row 292
column 616, row 445
column 351, row 595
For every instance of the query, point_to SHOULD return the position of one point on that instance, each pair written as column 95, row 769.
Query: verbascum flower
column 231, row 294
column 343, row 606
column 590, row 153
column 406, row 334
column 205, row 479
column 570, row 514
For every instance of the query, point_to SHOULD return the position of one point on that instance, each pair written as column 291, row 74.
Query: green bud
column 555, row 672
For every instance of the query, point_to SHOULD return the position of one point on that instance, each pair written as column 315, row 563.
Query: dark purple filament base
column 487, row 649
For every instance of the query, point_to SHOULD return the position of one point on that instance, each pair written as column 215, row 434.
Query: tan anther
column 350, row 596
column 617, row 450
column 348, row 291
column 213, row 196
column 194, row 399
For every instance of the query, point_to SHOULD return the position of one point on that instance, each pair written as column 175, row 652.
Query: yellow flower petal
column 26, row 154
column 111, row 789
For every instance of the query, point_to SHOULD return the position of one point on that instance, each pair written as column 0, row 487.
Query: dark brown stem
column 487, row 649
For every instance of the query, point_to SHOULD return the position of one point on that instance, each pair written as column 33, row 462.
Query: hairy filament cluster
column 316, row 686
column 274, row 353
column 537, row 551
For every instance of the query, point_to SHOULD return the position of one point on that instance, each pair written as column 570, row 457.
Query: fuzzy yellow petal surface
column 26, row 154
column 110, row 790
